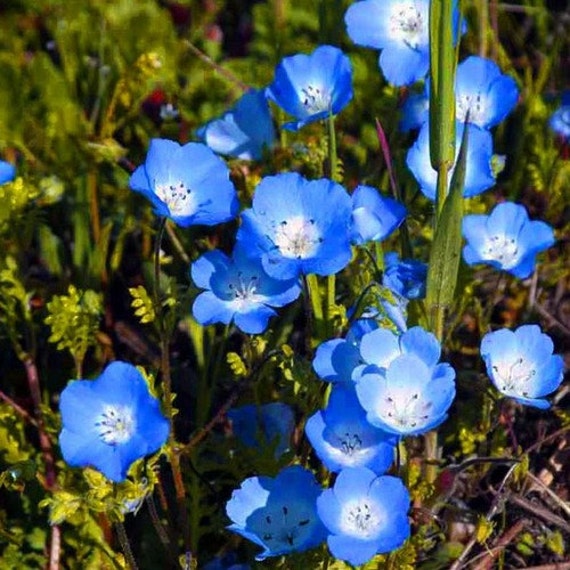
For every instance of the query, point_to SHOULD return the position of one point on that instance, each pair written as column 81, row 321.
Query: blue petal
column 403, row 65
column 421, row 343
column 208, row 309
column 7, row 172
column 252, row 495
column 367, row 23
column 478, row 172
column 205, row 266
column 254, row 320
column 415, row 112
column 352, row 550
column 380, row 347
column 507, row 218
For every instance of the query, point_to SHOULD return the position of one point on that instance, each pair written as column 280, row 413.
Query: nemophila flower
column 238, row 289
column 244, row 131
column 336, row 359
column 374, row 217
column 297, row 226
column 380, row 347
column 505, row 239
column 403, row 388
column 364, row 514
column 278, row 514
column 228, row 561
column 400, row 28
column 188, row 184
column 110, row 422
column 262, row 426
column 407, row 277
column 484, row 95
column 521, row 365
column 560, row 120
column 478, row 172
column 342, row 437
column 311, row 87
column 7, row 172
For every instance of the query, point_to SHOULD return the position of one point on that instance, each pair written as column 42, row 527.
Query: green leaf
column 446, row 248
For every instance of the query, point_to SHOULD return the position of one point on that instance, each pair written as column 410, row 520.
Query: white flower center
column 177, row 197
column 360, row 519
column 350, row 443
column 244, row 291
column 513, row 378
column 472, row 104
column 116, row 424
column 407, row 24
column 297, row 238
column 406, row 409
column 502, row 249
column 315, row 99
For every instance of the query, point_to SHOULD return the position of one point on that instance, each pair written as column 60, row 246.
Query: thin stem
column 18, row 409
column 177, row 243
column 312, row 287
column 333, row 159
column 157, row 245
column 125, row 545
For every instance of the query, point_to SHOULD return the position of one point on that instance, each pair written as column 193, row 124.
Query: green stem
column 333, row 159
column 313, row 291
column 126, row 547
column 157, row 244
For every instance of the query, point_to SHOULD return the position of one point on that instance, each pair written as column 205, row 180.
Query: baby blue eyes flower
column 110, row 422
column 506, row 239
column 342, row 437
column 484, row 96
column 364, row 514
column 374, row 217
column 478, row 174
column 238, row 289
column 400, row 28
column 188, row 184
column 521, row 365
column 297, row 226
column 278, row 514
column 262, row 426
column 7, row 172
column 311, row 87
column 560, row 120
column 244, row 131
column 406, row 277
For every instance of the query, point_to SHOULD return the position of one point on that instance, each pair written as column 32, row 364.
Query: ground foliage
column 82, row 85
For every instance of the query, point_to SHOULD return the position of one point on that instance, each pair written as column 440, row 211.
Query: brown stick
column 501, row 543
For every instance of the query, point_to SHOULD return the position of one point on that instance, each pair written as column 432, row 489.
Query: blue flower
column 244, row 131
column 484, row 92
column 257, row 426
column 110, row 422
column 365, row 515
column 478, row 174
column 400, row 29
column 521, row 365
column 374, row 217
column 311, row 87
column 342, row 437
column 226, row 562
column 560, row 120
column 188, row 184
column 278, row 514
column 506, row 239
column 406, row 277
column 336, row 359
column 7, row 172
column 404, row 389
column 238, row 289
column 481, row 89
column 298, row 226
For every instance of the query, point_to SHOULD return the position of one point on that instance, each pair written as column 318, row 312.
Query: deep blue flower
column 481, row 89
column 560, row 120
column 521, row 365
column 298, row 226
column 406, row 277
column 110, row 422
column 400, row 29
column 311, row 87
column 278, row 514
column 365, row 515
column 238, row 289
column 374, row 217
column 262, row 426
column 188, row 184
column 244, row 131
column 342, row 437
column 7, row 172
column 478, row 173
column 228, row 561
column 506, row 239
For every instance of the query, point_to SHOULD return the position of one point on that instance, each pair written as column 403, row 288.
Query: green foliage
column 74, row 321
